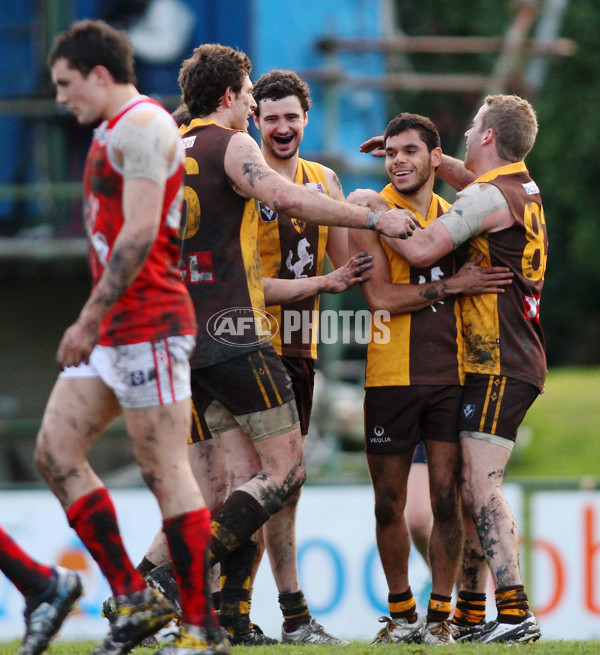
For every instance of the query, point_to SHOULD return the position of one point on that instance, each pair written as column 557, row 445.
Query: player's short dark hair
column 514, row 123
column 421, row 124
column 278, row 84
column 90, row 43
column 205, row 76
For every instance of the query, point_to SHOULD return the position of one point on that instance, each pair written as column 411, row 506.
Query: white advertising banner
column 566, row 563
column 339, row 567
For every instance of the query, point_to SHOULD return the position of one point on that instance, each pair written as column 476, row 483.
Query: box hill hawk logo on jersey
column 303, row 259
column 266, row 213
column 531, row 188
column 188, row 141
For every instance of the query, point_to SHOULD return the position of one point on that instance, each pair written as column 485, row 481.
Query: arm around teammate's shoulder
column 380, row 292
column 253, row 178
column 479, row 209
column 454, row 173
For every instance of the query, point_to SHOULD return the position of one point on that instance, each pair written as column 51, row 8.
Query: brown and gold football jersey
column 424, row 346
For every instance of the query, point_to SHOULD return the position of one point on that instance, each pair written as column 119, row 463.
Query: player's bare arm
column 480, row 208
column 145, row 162
column 368, row 198
column 426, row 245
column 253, row 178
column 454, row 173
column 336, row 190
column 372, row 200
column 472, row 279
column 381, row 293
column 249, row 173
column 354, row 271
column 336, row 247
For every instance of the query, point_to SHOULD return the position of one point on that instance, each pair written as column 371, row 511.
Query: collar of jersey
column 400, row 202
column 508, row 169
column 200, row 122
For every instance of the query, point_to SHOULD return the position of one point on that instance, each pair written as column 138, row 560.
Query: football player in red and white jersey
column 128, row 350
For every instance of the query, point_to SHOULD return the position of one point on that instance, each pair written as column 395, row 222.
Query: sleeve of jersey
column 464, row 219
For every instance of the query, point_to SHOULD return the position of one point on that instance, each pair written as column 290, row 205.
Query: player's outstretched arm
column 253, row 178
column 353, row 272
column 368, row 198
column 454, row 173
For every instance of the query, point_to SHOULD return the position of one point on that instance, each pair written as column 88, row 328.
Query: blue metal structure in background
column 19, row 63
column 274, row 33
column 285, row 35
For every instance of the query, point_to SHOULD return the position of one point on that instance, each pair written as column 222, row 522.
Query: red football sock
column 30, row 577
column 94, row 519
column 188, row 536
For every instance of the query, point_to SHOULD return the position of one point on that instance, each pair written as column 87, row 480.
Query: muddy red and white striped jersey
column 156, row 304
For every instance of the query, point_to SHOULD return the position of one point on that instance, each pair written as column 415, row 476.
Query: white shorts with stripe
column 146, row 374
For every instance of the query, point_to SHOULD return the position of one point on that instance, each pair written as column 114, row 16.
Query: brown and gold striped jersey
column 291, row 249
column 503, row 335
column 220, row 257
column 424, row 346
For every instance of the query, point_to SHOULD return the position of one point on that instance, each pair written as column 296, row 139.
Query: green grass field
column 356, row 648
column 561, row 435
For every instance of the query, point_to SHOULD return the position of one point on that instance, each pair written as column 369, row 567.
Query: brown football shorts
column 397, row 418
column 243, row 386
column 494, row 405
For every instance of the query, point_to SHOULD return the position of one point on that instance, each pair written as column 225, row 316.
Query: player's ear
column 488, row 136
column 305, row 118
column 101, row 74
column 436, row 157
column 227, row 98
column 255, row 117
